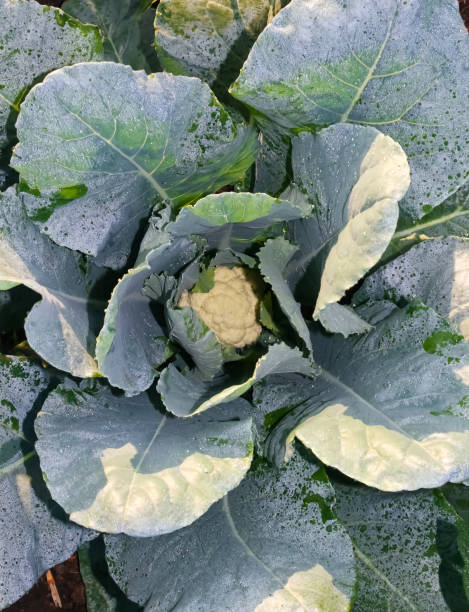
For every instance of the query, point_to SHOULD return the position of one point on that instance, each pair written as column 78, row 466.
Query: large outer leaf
column 127, row 30
column 207, row 39
column 353, row 177
column 132, row 343
column 34, row 532
column 185, row 394
column 271, row 544
column 401, row 67
column 33, row 41
column 117, row 140
column 234, row 220
column 400, row 542
column 390, row 409
column 129, row 468
column 62, row 327
column 437, row 271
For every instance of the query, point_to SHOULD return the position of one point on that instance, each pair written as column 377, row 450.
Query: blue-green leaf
column 273, row 543
column 103, row 144
column 132, row 342
column 191, row 333
column 401, row 68
column 33, row 41
column 185, row 394
column 352, row 177
column 62, row 327
column 129, row 467
column 436, row 271
column 402, row 544
column 390, row 409
column 209, row 40
column 274, row 257
column 34, row 532
column 234, row 220
column 127, row 30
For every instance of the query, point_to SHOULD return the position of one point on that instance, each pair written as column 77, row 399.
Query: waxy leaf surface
column 207, row 39
column 132, row 342
column 33, row 41
column 271, row 544
column 129, row 467
column 127, row 29
column 389, row 409
column 234, row 220
column 62, row 327
column 401, row 569
column 185, row 394
column 34, row 532
column 353, row 178
column 105, row 143
column 401, row 67
column 435, row 271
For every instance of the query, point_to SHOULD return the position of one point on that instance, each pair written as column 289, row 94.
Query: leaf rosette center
column 230, row 308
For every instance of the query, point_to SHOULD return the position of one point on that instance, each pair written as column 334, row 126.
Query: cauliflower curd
column 229, row 309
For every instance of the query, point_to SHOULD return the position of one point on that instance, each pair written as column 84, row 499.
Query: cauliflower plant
column 230, row 308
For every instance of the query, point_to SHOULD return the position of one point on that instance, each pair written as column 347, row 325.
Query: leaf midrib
column 105, row 30
column 11, row 467
column 158, row 188
column 139, row 465
column 369, row 563
column 245, row 545
column 344, row 117
column 459, row 212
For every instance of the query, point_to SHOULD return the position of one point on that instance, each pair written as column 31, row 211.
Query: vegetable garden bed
column 234, row 313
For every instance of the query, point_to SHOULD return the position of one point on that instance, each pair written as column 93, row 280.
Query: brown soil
column 69, row 586
column 464, row 8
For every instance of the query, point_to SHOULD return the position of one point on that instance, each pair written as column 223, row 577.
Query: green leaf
column 102, row 593
column 273, row 259
column 133, row 342
column 234, row 220
column 34, row 532
column 33, row 41
column 62, row 327
column 353, row 178
column 273, row 543
column 191, row 333
column 451, row 218
column 127, row 30
column 104, row 143
column 337, row 318
column 390, row 409
column 185, row 394
column 131, row 469
column 437, row 271
column 207, row 39
column 6, row 285
column 273, row 170
column 401, row 546
column 402, row 69
column 458, row 497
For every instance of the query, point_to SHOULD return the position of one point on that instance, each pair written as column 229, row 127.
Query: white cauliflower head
column 229, row 309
